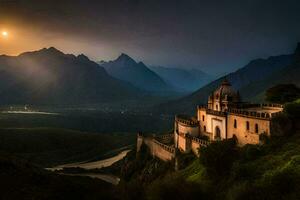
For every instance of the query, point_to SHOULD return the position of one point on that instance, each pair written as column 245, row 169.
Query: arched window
column 204, row 128
column 256, row 128
column 202, row 117
column 217, row 133
column 247, row 125
column 234, row 124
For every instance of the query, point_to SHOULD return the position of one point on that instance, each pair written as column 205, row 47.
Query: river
column 95, row 165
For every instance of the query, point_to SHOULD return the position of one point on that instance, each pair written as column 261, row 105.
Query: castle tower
column 223, row 97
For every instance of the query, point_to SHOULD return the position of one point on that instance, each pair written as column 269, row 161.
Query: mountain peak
column 50, row 51
column 124, row 55
column 83, row 57
column 125, row 58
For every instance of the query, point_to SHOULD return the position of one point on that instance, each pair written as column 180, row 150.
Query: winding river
column 95, row 165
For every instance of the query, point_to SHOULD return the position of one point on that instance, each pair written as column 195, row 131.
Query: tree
column 218, row 157
column 293, row 110
column 283, row 93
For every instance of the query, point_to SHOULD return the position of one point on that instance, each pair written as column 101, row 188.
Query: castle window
column 204, row 128
column 256, row 128
column 234, row 124
column 217, row 133
column 247, row 126
column 202, row 117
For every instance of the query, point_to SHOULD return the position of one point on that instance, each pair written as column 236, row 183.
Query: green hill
column 225, row 170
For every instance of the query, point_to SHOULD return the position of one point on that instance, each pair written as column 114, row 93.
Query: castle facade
column 225, row 116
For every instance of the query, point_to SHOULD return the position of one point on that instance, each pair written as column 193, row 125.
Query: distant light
column 4, row 34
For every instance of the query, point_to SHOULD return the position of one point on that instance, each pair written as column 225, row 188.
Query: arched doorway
column 217, row 133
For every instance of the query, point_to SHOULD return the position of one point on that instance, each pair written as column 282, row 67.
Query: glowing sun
column 4, row 33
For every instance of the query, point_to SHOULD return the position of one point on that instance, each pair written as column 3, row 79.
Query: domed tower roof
column 226, row 92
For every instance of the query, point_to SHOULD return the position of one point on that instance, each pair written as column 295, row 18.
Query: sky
column 216, row 36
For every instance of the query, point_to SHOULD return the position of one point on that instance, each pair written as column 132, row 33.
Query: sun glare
column 4, row 33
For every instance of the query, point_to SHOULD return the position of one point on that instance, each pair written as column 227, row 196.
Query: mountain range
column 48, row 76
column 187, row 80
column 136, row 73
column 251, row 81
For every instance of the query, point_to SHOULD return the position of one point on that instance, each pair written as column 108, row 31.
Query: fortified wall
column 158, row 145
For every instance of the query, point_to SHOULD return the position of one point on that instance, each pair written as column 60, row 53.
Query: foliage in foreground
column 226, row 171
column 283, row 93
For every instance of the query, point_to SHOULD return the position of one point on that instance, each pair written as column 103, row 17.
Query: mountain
column 260, row 73
column 184, row 79
column 290, row 74
column 48, row 76
column 138, row 74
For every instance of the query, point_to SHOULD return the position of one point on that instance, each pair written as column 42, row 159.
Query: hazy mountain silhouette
column 290, row 74
column 49, row 76
column 138, row 74
column 251, row 80
column 183, row 79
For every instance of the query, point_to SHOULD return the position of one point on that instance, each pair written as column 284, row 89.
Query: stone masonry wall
column 157, row 149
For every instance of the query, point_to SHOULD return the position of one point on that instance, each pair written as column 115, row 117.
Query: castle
column 225, row 116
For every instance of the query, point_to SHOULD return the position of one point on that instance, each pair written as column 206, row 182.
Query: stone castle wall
column 260, row 114
column 187, row 125
column 188, row 143
column 156, row 147
column 243, row 135
column 182, row 146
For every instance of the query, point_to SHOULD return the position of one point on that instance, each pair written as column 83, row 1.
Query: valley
column 149, row 100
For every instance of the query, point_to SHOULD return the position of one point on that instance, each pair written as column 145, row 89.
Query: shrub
column 175, row 188
column 250, row 152
column 184, row 159
column 283, row 93
column 218, row 157
column 281, row 125
column 292, row 110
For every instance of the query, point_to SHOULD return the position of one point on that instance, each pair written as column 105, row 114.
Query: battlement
column 186, row 120
column 242, row 110
column 164, row 146
column 215, row 112
column 202, row 107
column 156, row 145
column 262, row 105
column 195, row 139
column 165, row 139
column 201, row 142
column 246, row 105
column 255, row 114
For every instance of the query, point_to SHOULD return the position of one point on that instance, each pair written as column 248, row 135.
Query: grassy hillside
column 225, row 170
column 271, row 171
column 50, row 146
